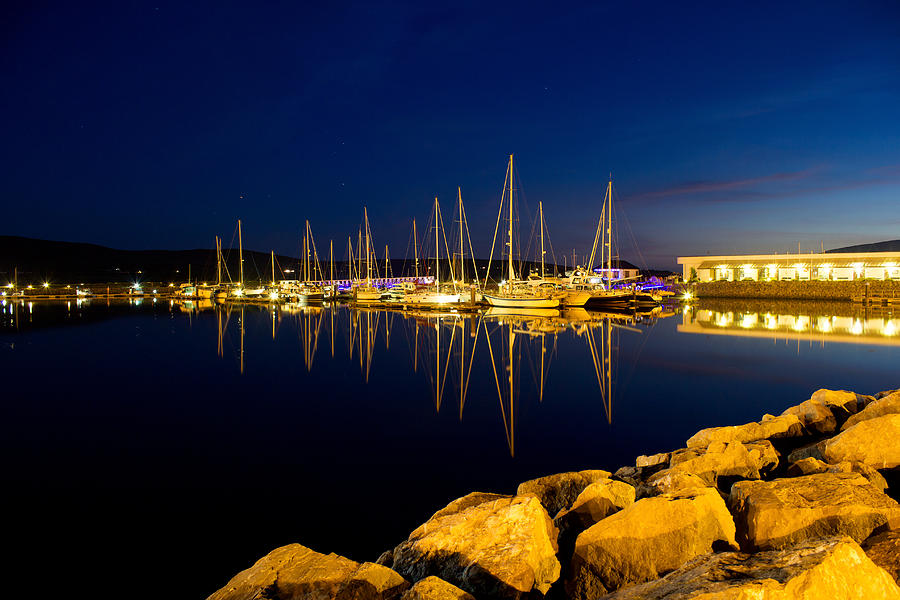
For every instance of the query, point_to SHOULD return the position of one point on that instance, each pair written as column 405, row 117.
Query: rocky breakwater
column 797, row 506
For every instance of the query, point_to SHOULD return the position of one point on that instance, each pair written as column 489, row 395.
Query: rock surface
column 811, row 466
column 650, row 537
column 721, row 459
column 772, row 428
column 783, row 512
column 884, row 550
column 652, row 461
column 875, row 442
column 596, row 502
column 294, row 571
column 887, row 405
column 668, row 481
column 558, row 492
column 488, row 545
column 435, row 588
column 834, row 568
column 815, row 416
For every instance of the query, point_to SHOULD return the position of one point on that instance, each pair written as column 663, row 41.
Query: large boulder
column 888, row 405
column 294, row 571
column 875, row 442
column 831, row 568
column 490, row 546
column 435, row 588
column 815, row 416
column 596, row 502
column 777, row 514
column 785, row 426
column 650, row 537
column 884, row 550
column 558, row 492
column 721, row 459
column 668, row 481
column 811, row 466
column 654, row 460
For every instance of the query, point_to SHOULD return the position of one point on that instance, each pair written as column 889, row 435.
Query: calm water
column 158, row 448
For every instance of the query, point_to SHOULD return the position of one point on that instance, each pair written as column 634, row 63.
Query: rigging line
column 497, row 381
column 447, row 363
column 642, row 261
column 447, row 248
column 471, row 359
column 471, row 252
column 497, row 228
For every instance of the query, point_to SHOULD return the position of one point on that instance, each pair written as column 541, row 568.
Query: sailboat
column 366, row 292
column 436, row 296
column 514, row 292
column 607, row 295
column 309, row 291
column 241, row 290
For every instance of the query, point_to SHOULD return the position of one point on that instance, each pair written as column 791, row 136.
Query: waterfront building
column 827, row 266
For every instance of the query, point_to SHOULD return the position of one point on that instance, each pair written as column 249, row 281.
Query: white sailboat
column 435, row 296
column 366, row 292
column 514, row 292
column 310, row 291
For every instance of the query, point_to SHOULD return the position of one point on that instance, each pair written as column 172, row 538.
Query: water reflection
column 819, row 322
column 507, row 357
column 449, row 348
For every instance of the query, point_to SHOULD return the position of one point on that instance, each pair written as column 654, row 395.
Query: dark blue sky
column 728, row 127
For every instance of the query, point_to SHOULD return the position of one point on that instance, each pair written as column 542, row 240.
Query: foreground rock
column 783, row 512
column 721, row 459
column 875, row 442
column 884, row 550
column 785, row 426
column 811, row 466
column 887, row 405
column 294, row 571
column 825, row 569
column 434, row 588
column 650, row 537
column 595, row 503
column 558, row 492
column 668, row 481
column 488, row 545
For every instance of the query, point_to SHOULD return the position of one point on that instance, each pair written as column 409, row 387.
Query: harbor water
column 154, row 442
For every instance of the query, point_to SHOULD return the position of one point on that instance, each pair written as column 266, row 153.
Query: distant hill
column 74, row 262
column 890, row 246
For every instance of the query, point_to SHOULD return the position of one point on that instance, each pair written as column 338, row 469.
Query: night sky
column 727, row 127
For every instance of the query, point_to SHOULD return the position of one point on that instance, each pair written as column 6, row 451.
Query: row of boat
column 578, row 287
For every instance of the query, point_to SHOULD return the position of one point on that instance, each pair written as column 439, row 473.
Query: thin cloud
column 733, row 185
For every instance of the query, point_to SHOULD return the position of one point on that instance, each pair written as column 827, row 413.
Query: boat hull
column 521, row 302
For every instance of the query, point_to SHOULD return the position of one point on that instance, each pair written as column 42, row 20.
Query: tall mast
column 273, row 267
column 240, row 252
column 437, row 266
column 541, row 211
column 387, row 264
column 415, row 249
column 368, row 245
column 218, row 261
column 331, row 260
column 303, row 259
column 350, row 261
column 511, row 272
column 462, row 263
column 609, row 230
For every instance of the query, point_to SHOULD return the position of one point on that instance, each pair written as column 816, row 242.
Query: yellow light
column 46, row 285
column 687, row 296
column 171, row 285
column 889, row 329
column 10, row 285
column 857, row 327
column 273, row 296
column 238, row 292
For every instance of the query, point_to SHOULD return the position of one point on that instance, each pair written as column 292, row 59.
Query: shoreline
column 790, row 499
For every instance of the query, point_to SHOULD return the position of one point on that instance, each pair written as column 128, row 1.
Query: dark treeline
column 72, row 262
